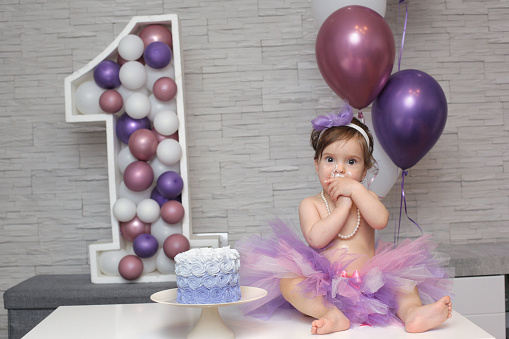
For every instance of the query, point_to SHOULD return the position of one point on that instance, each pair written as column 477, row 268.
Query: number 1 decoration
column 136, row 87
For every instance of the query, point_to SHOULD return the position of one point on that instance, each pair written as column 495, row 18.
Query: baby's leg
column 329, row 318
column 420, row 318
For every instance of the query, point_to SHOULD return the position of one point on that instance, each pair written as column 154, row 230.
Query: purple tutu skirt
column 367, row 299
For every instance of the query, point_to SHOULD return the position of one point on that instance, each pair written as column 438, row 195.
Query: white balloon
column 136, row 197
column 133, row 75
column 124, row 158
column 157, row 106
column 137, row 105
column 154, row 74
column 162, row 230
column 323, row 8
column 164, row 264
column 169, row 151
column 124, row 209
column 166, row 123
column 159, row 168
column 131, row 47
column 108, row 261
column 86, row 98
column 148, row 211
column 381, row 183
column 149, row 264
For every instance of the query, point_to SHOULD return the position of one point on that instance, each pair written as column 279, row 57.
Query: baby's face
column 341, row 159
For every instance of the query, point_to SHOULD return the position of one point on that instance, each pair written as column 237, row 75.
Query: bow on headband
column 343, row 117
column 337, row 118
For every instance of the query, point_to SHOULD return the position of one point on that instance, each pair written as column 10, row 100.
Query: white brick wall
column 252, row 86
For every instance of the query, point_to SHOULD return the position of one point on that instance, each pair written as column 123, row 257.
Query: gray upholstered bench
column 34, row 299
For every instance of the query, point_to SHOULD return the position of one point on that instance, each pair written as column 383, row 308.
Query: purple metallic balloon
column 355, row 52
column 145, row 245
column 170, row 184
column 409, row 116
column 138, row 176
column 106, row 74
column 158, row 197
column 126, row 126
column 157, row 55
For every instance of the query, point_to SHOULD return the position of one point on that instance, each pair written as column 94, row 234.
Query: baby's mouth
column 337, row 175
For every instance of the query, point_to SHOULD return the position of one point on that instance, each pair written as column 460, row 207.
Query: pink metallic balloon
column 355, row 52
column 138, row 176
column 175, row 244
column 153, row 33
column 164, row 89
column 172, row 212
column 160, row 137
column 111, row 101
column 133, row 228
column 143, row 144
column 130, row 267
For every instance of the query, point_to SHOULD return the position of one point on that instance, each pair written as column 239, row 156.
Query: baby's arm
column 319, row 232
column 370, row 207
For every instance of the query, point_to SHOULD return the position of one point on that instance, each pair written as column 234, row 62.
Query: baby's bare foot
column 332, row 321
column 426, row 317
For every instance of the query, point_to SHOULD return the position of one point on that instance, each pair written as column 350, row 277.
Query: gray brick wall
column 252, row 86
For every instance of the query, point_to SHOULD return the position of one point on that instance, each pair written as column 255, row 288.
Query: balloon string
column 404, row 31
column 360, row 115
column 403, row 199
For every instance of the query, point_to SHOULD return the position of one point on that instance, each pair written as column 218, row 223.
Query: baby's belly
column 362, row 253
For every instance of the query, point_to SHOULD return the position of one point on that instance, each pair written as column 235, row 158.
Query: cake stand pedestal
column 210, row 324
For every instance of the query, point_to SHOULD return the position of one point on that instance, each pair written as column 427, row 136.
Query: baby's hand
column 340, row 187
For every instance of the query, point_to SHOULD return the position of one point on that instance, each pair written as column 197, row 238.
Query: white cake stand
column 210, row 324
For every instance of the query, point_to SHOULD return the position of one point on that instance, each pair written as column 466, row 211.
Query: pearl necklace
column 358, row 220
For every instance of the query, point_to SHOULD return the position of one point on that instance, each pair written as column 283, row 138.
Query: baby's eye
column 329, row 159
column 352, row 162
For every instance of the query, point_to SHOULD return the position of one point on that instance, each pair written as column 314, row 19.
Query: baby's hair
column 321, row 139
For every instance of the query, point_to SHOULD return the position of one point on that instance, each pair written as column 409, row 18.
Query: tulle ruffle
column 367, row 299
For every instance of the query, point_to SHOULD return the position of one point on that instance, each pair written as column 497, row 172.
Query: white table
column 158, row 321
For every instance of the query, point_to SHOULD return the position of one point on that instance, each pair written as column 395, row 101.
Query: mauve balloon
column 409, row 116
column 111, row 101
column 138, row 176
column 143, row 144
column 133, row 228
column 175, row 244
column 153, row 33
column 130, row 267
column 355, row 52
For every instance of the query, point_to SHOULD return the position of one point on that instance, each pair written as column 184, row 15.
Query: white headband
column 361, row 131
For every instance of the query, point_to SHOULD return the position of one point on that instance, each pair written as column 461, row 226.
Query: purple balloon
column 409, row 116
column 138, row 176
column 145, row 245
column 170, row 184
column 157, row 55
column 158, row 197
column 127, row 126
column 355, row 52
column 106, row 74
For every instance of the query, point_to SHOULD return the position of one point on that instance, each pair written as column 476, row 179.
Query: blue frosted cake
column 208, row 276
